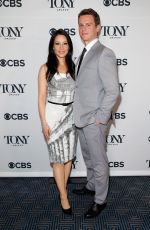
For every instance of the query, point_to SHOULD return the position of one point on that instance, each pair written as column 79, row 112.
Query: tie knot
column 84, row 50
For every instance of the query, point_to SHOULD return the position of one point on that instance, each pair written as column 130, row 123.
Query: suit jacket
column 97, row 87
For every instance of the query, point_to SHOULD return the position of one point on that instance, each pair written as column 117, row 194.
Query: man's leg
column 86, row 156
column 95, row 137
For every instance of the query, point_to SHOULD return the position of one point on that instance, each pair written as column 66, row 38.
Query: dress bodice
column 61, row 89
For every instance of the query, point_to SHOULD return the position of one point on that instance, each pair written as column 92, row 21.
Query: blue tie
column 81, row 58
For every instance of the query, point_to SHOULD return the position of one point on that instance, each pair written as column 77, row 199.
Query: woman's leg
column 60, row 178
column 67, row 171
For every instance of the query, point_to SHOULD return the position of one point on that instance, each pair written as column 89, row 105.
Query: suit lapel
column 88, row 57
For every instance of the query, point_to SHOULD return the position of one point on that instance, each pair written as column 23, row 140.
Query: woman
column 56, row 89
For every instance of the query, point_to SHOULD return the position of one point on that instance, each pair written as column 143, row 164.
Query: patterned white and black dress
column 59, row 116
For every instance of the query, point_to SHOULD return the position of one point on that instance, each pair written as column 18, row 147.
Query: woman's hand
column 46, row 131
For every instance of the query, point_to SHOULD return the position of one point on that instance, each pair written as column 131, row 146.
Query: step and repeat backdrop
column 25, row 29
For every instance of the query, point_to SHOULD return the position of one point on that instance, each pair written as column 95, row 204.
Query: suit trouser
column 93, row 145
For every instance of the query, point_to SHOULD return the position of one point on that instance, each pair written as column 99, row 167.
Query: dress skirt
column 63, row 138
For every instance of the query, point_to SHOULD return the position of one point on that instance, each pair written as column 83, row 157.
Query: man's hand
column 97, row 123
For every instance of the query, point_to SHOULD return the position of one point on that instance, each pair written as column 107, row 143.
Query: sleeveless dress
column 59, row 116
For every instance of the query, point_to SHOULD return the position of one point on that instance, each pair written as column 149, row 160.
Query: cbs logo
column 70, row 31
column 10, row 3
column 116, row 164
column 19, row 165
column 15, row 116
column 12, row 63
column 116, row 2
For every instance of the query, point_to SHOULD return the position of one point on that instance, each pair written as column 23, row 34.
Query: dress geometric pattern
column 59, row 116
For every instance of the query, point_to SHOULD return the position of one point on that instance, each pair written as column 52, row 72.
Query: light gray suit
column 96, row 92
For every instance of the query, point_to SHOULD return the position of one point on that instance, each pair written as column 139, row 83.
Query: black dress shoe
column 67, row 211
column 83, row 191
column 95, row 210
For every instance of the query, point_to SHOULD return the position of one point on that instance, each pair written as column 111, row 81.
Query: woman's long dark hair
column 52, row 61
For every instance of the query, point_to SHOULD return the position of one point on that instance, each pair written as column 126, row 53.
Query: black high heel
column 67, row 211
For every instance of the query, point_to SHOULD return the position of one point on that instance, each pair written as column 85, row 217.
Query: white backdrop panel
column 25, row 30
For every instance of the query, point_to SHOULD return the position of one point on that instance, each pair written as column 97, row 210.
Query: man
column 96, row 93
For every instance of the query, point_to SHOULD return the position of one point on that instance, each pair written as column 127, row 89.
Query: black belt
column 63, row 104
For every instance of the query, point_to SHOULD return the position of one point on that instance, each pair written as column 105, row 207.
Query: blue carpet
column 32, row 203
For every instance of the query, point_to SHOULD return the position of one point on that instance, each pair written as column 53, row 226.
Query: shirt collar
column 89, row 45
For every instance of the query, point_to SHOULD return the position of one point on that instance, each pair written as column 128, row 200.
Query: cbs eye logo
column 7, row 116
column 52, row 31
column 11, row 165
column 3, row 62
column 107, row 2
